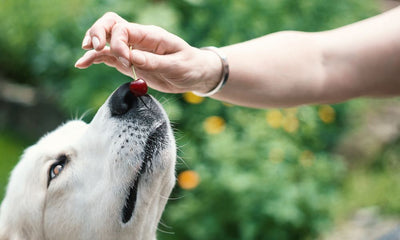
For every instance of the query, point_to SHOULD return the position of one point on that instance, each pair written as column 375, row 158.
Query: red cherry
column 138, row 87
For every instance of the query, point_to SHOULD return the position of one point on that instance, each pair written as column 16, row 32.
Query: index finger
column 99, row 33
column 145, row 38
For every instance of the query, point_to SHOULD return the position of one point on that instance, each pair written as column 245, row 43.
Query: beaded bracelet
column 225, row 72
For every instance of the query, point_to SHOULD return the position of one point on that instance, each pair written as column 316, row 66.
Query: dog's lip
column 152, row 145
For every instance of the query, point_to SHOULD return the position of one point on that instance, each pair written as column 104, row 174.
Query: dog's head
column 109, row 179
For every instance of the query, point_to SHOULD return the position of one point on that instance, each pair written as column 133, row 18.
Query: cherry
column 138, row 87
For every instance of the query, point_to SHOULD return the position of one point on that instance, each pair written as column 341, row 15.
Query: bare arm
column 277, row 70
column 294, row 68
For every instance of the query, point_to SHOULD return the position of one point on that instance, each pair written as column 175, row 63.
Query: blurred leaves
column 11, row 147
column 259, row 180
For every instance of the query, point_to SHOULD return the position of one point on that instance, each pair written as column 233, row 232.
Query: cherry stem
column 133, row 67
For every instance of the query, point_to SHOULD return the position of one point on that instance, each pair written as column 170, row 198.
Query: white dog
column 107, row 180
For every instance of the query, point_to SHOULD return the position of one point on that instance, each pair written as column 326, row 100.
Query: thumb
column 149, row 61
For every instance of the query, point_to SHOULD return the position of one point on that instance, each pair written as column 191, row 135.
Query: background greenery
column 264, row 174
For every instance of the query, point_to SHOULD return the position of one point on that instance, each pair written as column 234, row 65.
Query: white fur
column 85, row 201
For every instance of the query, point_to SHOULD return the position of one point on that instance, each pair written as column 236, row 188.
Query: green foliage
column 264, row 174
column 257, row 181
column 365, row 188
column 11, row 149
column 216, row 22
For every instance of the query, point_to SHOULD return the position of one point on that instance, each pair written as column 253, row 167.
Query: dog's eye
column 57, row 167
column 55, row 170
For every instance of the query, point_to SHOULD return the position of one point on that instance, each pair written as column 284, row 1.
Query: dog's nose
column 122, row 100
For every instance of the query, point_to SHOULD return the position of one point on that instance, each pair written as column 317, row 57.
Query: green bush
column 264, row 174
column 11, row 149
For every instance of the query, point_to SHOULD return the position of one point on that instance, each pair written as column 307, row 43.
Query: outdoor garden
column 291, row 173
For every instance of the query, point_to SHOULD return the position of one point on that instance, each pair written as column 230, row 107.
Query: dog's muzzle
column 146, row 114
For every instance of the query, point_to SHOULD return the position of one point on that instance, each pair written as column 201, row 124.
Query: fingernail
column 85, row 41
column 95, row 42
column 124, row 61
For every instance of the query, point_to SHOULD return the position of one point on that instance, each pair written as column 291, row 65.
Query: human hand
column 164, row 60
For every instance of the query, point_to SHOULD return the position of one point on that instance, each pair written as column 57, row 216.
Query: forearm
column 294, row 68
column 363, row 58
column 277, row 70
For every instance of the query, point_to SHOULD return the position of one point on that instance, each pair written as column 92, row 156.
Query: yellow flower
column 306, row 158
column 276, row 155
column 192, row 98
column 290, row 124
column 326, row 113
column 274, row 118
column 214, row 125
column 188, row 179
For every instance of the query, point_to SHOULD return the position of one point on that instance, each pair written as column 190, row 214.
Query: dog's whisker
column 84, row 114
column 166, row 232
column 182, row 161
column 164, row 100
column 181, row 147
column 172, row 198
column 80, row 117
column 141, row 99
column 140, row 110
column 164, row 224
column 161, row 223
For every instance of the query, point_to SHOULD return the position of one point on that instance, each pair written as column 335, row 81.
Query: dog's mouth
column 153, row 145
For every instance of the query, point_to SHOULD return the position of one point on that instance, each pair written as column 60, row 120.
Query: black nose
column 122, row 101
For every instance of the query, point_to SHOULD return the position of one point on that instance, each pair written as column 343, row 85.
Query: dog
column 107, row 180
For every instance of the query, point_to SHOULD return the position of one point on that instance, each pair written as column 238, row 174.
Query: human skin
column 281, row 69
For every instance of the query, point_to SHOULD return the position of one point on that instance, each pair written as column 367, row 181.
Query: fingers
column 126, row 35
column 98, row 35
column 86, row 60
column 121, row 35
column 149, row 39
column 140, row 59
column 93, row 56
column 104, row 56
column 156, row 53
column 151, row 62
column 119, row 42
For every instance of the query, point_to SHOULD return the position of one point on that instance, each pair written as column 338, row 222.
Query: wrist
column 215, row 72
